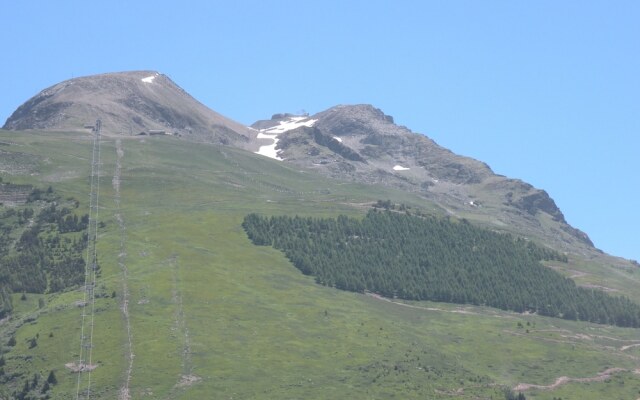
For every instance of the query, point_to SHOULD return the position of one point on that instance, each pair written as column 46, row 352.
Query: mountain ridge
column 347, row 142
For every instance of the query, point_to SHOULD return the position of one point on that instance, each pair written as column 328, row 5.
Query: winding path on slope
column 122, row 254
column 522, row 387
column 454, row 311
column 601, row 376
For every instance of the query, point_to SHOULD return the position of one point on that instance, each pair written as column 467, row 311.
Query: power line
column 91, row 266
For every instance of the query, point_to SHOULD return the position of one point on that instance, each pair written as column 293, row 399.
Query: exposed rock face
column 540, row 201
column 361, row 143
column 368, row 131
column 362, row 119
column 128, row 103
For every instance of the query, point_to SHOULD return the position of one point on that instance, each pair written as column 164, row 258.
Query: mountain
column 127, row 103
column 184, row 305
column 359, row 143
column 356, row 143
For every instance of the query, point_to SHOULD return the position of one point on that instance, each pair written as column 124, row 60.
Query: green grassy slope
column 213, row 316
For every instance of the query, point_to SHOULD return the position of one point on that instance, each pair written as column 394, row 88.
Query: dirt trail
column 124, row 389
column 601, row 376
column 574, row 273
column 521, row 387
column 578, row 336
column 456, row 311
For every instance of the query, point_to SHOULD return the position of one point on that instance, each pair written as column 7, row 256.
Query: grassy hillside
column 210, row 315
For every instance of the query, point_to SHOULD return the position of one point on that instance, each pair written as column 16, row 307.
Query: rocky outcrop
column 334, row 145
column 540, row 201
column 357, row 120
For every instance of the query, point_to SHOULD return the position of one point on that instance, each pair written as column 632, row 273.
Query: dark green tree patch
column 41, row 246
column 428, row 258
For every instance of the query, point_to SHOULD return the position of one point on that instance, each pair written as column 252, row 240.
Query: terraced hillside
column 190, row 308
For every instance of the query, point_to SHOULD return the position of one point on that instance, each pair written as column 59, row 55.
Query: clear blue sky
column 545, row 91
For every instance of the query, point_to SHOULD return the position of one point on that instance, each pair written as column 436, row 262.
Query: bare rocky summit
column 130, row 103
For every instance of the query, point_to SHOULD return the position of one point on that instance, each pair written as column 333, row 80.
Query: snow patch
column 338, row 139
column 289, row 124
column 400, row 168
column 149, row 79
column 273, row 132
column 270, row 149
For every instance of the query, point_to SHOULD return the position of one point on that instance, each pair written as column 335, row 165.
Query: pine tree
column 52, row 378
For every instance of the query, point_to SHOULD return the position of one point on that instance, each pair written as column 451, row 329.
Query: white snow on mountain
column 149, row 79
column 273, row 132
column 270, row 149
column 289, row 124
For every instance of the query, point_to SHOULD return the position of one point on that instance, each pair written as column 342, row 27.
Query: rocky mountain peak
column 358, row 112
column 345, row 120
column 130, row 103
column 361, row 143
